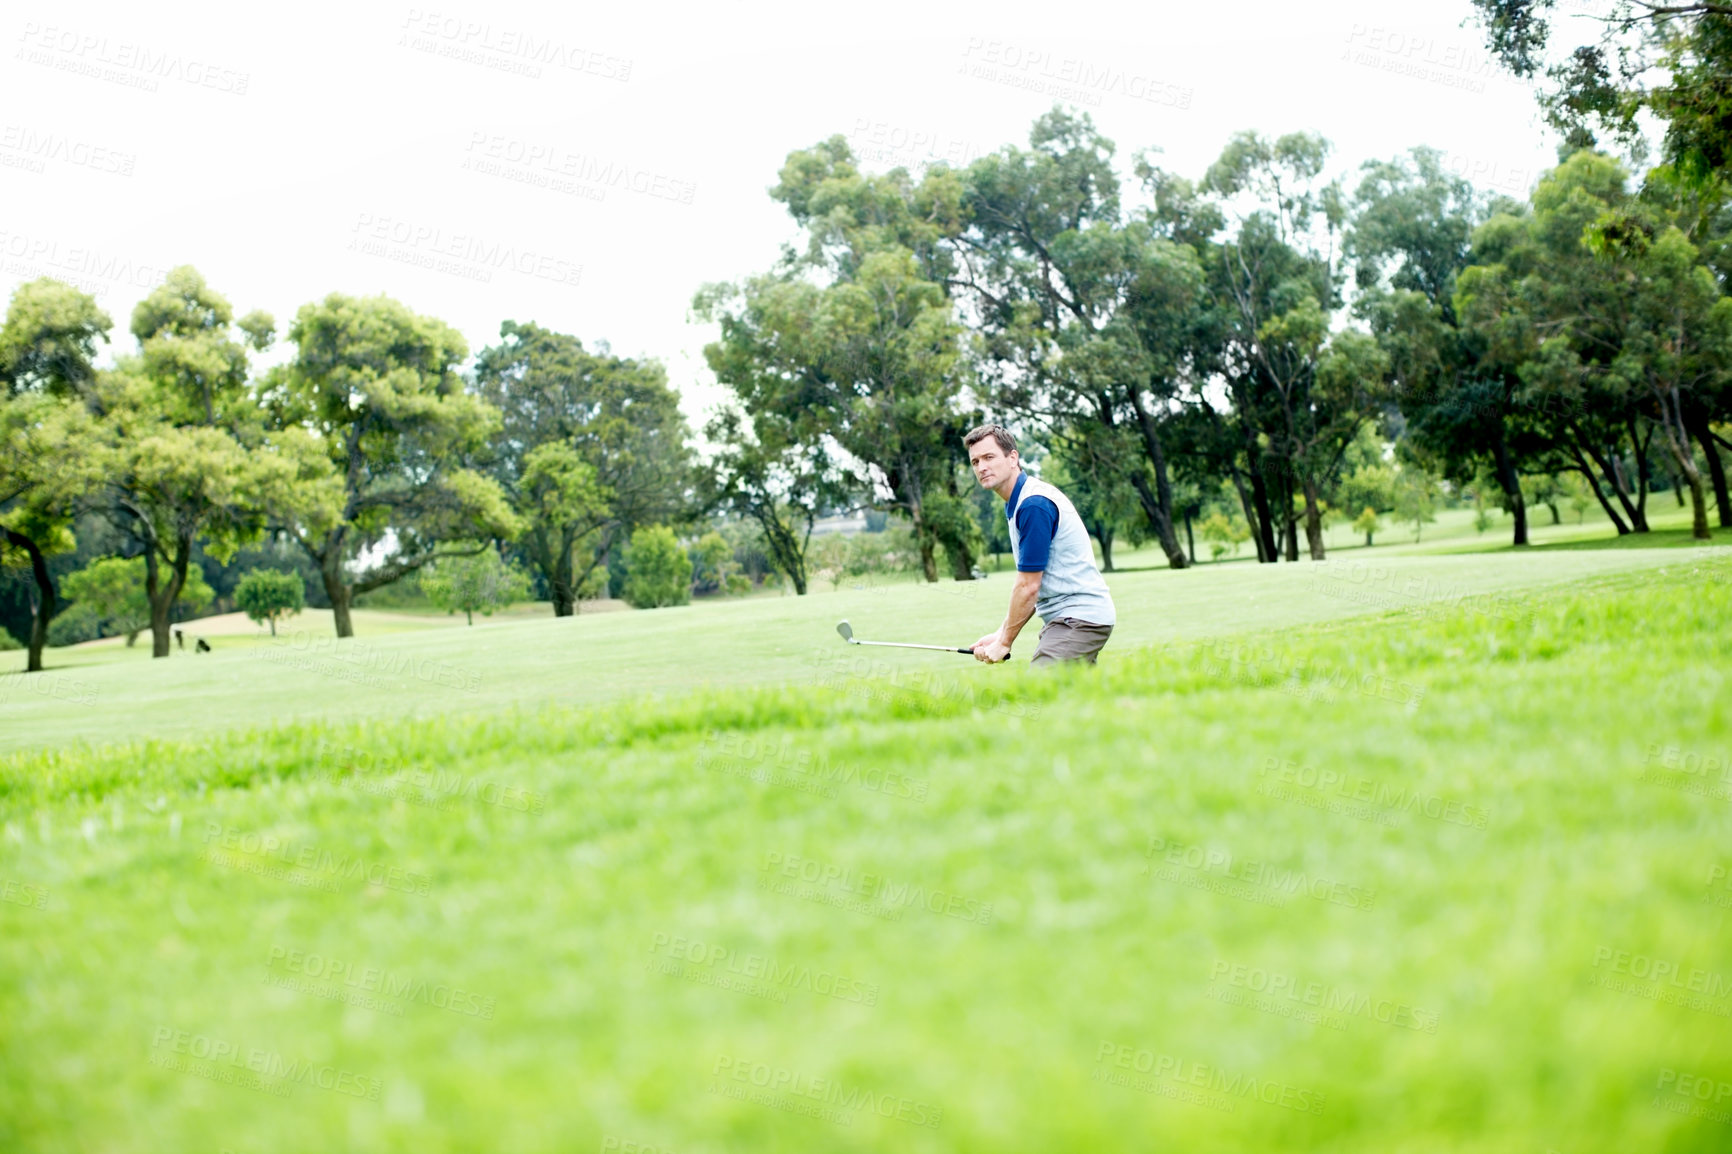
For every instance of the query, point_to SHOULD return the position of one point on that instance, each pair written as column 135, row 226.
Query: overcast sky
column 588, row 167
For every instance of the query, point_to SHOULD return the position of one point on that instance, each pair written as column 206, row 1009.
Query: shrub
column 478, row 584
column 8, row 642
column 657, row 571
column 267, row 595
column 74, row 626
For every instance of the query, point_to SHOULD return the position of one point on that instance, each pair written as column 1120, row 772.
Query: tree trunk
column 1313, row 521
column 558, row 569
column 43, row 603
column 961, row 560
column 1594, row 484
column 1160, row 502
column 1511, row 485
column 1251, row 520
column 787, row 551
column 1678, row 441
column 331, row 571
column 1292, row 534
column 1368, row 540
column 1159, row 520
column 470, row 614
column 1266, row 552
column 928, row 563
column 1716, row 470
column 1190, row 540
column 1557, row 519
column 1104, row 534
column 1640, row 448
column 273, row 625
column 162, row 597
column 1615, row 476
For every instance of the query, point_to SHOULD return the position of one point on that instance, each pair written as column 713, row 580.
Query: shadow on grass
column 1656, row 539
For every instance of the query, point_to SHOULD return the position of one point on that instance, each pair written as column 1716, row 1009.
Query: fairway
column 109, row 695
column 1434, row 858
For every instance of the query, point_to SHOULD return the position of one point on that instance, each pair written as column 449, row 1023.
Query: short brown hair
column 1006, row 442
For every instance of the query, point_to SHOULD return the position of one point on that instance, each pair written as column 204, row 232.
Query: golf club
column 847, row 632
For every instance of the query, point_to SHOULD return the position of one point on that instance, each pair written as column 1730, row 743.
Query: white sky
column 292, row 151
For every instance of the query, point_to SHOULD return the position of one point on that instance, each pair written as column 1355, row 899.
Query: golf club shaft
column 910, row 645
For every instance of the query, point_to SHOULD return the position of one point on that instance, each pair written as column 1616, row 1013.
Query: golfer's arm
column 1022, row 598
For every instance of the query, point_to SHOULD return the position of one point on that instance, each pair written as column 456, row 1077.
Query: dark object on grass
column 203, row 646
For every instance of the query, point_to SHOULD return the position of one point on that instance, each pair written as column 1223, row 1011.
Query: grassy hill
column 1430, row 859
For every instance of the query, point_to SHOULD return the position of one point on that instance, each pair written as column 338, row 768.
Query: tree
column 762, row 472
column 1676, row 335
column 189, row 459
column 1580, row 497
column 113, row 589
column 1366, row 523
column 714, row 569
column 377, row 386
column 1089, row 316
column 1668, row 60
column 49, row 445
column 1412, row 238
column 871, row 361
column 474, row 583
column 270, row 595
column 589, row 447
column 857, row 340
column 1415, row 499
column 1223, row 534
column 658, row 572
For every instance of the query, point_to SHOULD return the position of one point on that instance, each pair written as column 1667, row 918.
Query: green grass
column 114, row 695
column 1129, row 827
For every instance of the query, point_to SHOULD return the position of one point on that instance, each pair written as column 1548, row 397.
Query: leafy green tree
column 190, row 461
column 269, row 595
column 474, row 583
column 50, row 446
column 658, row 572
column 1579, row 495
column 113, row 588
column 1412, row 238
column 857, row 341
column 378, row 387
column 1095, row 473
column 1366, row 523
column 714, row 569
column 1089, row 315
column 74, row 625
column 589, row 447
column 1668, row 61
column 762, row 472
column 1222, row 534
column 1416, row 493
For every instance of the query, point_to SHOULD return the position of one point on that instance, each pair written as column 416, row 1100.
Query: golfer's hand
column 990, row 649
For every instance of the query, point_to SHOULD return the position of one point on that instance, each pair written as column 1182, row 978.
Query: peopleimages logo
column 761, row 967
column 829, row 1091
column 1326, row 998
column 221, row 1060
column 235, row 849
column 1183, row 1072
column 1167, row 857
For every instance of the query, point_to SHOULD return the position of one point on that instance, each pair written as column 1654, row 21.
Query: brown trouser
column 1068, row 639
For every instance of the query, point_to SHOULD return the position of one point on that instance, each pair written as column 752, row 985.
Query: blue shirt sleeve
column 1036, row 522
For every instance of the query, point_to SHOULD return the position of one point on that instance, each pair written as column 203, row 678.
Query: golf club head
column 846, row 630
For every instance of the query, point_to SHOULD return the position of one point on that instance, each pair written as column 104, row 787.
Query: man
column 1055, row 565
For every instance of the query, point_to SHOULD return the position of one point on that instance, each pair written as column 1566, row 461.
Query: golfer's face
column 990, row 464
